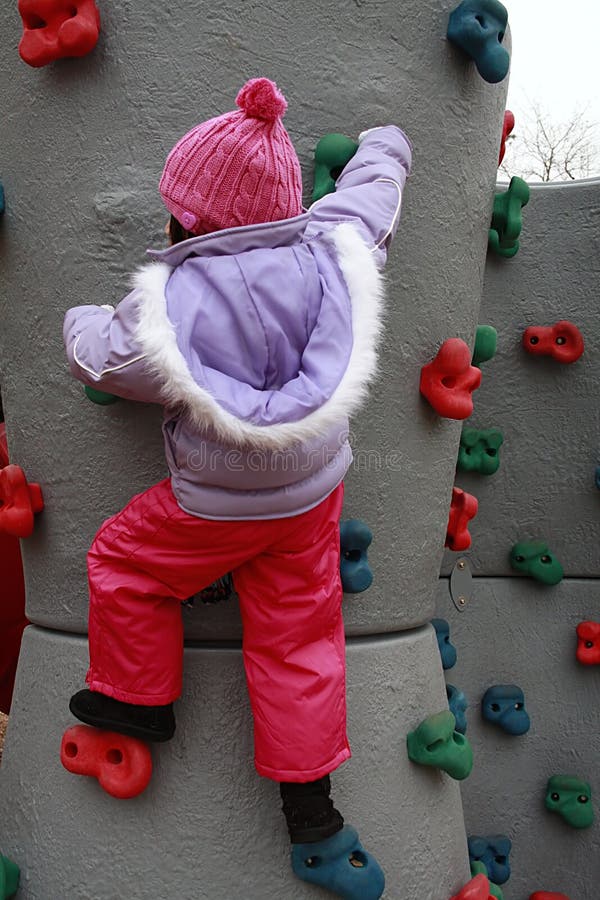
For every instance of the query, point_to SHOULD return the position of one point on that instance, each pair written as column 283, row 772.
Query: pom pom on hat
column 261, row 99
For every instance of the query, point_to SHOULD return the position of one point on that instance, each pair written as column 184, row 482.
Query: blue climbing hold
column 2, row 202
column 355, row 539
column 478, row 27
column 493, row 852
column 447, row 650
column 504, row 705
column 597, row 477
column 340, row 864
column 458, row 705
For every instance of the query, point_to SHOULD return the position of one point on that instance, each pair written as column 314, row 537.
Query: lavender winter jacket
column 259, row 342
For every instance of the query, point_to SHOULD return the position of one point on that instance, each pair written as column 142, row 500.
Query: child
column 256, row 331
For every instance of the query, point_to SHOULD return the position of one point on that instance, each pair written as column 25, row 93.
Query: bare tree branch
column 543, row 149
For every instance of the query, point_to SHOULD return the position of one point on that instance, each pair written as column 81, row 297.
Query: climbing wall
column 83, row 147
column 513, row 629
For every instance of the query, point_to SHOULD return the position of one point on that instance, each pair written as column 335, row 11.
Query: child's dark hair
column 177, row 232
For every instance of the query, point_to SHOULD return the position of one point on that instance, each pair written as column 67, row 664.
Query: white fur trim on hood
column 157, row 337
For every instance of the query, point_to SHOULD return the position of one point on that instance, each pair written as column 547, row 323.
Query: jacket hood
column 336, row 365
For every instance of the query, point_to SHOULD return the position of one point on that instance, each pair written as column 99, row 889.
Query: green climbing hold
column 100, row 397
column 571, row 798
column 9, row 878
column 478, row 868
column 486, row 343
column 436, row 743
column 534, row 558
column 507, row 220
column 479, row 451
column 332, row 155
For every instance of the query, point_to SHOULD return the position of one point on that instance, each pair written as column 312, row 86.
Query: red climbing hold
column 53, row 29
column 478, row 888
column 19, row 501
column 562, row 341
column 463, row 508
column 122, row 765
column 548, row 895
column 588, row 643
column 449, row 380
column 509, row 124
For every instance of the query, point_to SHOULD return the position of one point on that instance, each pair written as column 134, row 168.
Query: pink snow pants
column 148, row 558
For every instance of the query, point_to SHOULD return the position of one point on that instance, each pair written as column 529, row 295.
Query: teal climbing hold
column 332, row 155
column 478, row 28
column 341, row 864
column 9, row 878
column 355, row 571
column 437, row 744
column 571, row 798
column 486, row 343
column 507, row 219
column 2, row 201
column 100, row 397
column 479, row 451
column 534, row 558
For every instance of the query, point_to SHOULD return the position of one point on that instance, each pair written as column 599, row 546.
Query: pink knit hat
column 236, row 169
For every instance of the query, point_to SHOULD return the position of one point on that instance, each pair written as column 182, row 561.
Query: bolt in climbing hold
column 100, row 397
column 504, row 705
column 53, row 29
column 479, row 451
column 332, row 155
column 437, row 744
column 122, row 764
column 563, row 341
column 588, row 643
column 571, row 798
column 458, row 705
column 355, row 539
column 446, row 648
column 486, row 343
column 19, row 502
column 9, row 878
column 341, row 864
column 478, row 888
column 534, row 558
column 478, row 27
column 507, row 219
column 509, row 124
column 463, row 508
column 478, row 868
column 448, row 381
column 493, row 852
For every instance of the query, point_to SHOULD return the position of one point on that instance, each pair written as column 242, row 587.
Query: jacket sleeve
column 104, row 353
column 369, row 188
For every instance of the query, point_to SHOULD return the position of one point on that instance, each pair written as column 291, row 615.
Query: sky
column 555, row 55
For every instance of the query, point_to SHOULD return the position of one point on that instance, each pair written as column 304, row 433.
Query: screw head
column 462, row 601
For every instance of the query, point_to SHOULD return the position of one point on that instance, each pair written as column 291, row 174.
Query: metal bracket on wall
column 461, row 584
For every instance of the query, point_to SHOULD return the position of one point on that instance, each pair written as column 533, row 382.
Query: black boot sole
column 108, row 723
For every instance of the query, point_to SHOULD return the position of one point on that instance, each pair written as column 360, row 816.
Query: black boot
column 309, row 810
column 149, row 723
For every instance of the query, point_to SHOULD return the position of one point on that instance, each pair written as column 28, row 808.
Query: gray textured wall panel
column 83, row 148
column 516, row 632
column 548, row 412
column 207, row 826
